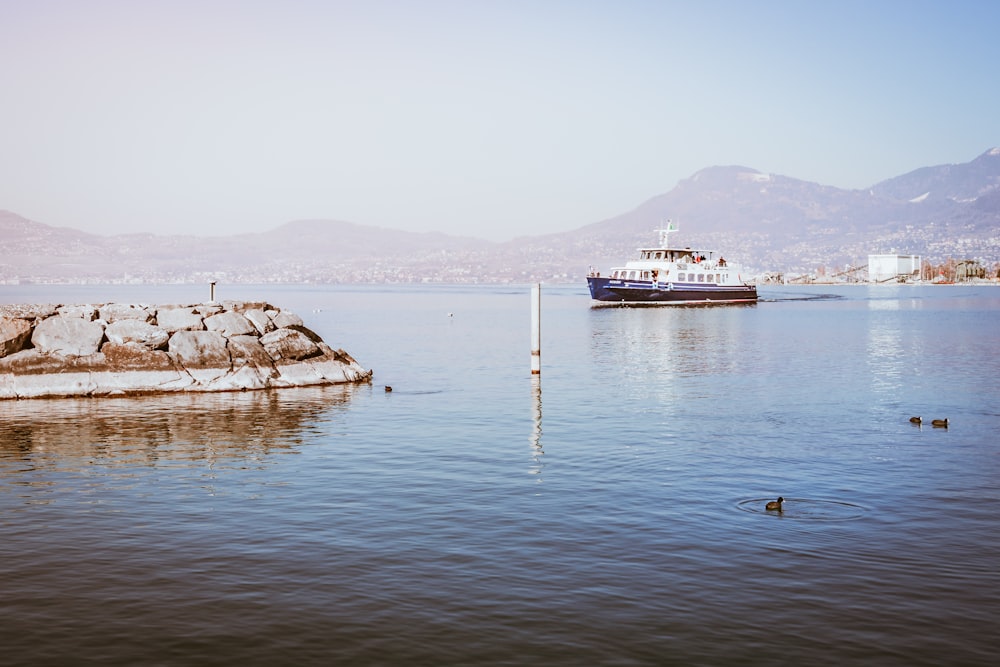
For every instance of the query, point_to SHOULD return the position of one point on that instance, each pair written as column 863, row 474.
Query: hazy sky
column 489, row 118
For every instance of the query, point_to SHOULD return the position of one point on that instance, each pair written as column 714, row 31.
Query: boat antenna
column 666, row 227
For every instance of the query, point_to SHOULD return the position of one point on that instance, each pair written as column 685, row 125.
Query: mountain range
column 768, row 222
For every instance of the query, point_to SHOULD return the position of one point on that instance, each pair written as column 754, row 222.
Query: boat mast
column 665, row 231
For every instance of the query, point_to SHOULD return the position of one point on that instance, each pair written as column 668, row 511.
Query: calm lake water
column 608, row 513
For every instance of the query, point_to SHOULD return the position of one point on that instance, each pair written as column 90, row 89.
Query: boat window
column 659, row 255
column 681, row 277
column 645, row 275
column 631, row 275
column 701, row 277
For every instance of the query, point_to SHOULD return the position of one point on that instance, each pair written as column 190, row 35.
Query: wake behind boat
column 672, row 276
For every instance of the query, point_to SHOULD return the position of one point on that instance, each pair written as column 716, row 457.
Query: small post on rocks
column 536, row 329
column 211, row 292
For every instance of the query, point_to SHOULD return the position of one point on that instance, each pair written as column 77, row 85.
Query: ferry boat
column 672, row 276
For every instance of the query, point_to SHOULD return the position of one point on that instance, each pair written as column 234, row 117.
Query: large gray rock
column 132, row 368
column 33, row 374
column 67, row 336
column 297, row 375
column 334, row 364
column 230, row 324
column 208, row 309
column 14, row 334
column 285, row 318
column 310, row 334
column 117, row 383
column 202, row 353
column 87, row 312
column 289, row 344
column 252, row 367
column 179, row 319
column 112, row 312
column 244, row 306
column 122, row 357
column 199, row 349
column 35, row 362
column 247, row 350
column 260, row 320
column 137, row 331
column 28, row 311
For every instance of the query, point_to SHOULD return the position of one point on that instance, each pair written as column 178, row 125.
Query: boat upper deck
column 674, row 254
column 649, row 257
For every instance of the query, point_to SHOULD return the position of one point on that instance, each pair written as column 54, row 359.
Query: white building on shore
column 883, row 268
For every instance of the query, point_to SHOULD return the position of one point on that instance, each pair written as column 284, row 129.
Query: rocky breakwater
column 117, row 349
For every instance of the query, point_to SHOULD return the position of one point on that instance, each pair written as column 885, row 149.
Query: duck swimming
column 915, row 420
column 775, row 504
column 940, row 423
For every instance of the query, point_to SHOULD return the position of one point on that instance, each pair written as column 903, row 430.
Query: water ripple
column 806, row 508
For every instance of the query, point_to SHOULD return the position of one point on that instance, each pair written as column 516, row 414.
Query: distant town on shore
column 944, row 219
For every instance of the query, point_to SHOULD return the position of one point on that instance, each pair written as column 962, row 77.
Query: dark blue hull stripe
column 639, row 291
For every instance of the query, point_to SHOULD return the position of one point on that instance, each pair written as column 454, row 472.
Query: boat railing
column 707, row 265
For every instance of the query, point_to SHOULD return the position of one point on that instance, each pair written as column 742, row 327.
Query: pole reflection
column 536, row 427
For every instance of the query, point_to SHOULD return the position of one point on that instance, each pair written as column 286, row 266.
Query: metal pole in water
column 536, row 329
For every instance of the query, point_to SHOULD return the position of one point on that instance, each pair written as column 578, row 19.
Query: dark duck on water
column 775, row 504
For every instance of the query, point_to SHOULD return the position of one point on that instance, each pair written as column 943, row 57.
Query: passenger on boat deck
column 722, row 261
